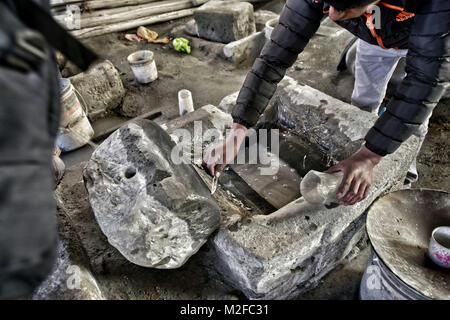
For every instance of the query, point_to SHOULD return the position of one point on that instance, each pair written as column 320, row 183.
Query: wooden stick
column 104, row 12
column 99, row 136
column 121, row 26
column 60, row 3
column 102, row 4
column 134, row 13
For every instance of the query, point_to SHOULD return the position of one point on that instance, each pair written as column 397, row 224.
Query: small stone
column 227, row 104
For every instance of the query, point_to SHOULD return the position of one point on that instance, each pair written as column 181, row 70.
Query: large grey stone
column 225, row 21
column 105, row 273
column 155, row 212
column 286, row 253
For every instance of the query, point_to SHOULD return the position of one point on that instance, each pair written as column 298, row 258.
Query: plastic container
column 185, row 102
column 321, row 188
column 270, row 25
column 75, row 129
column 439, row 248
column 143, row 65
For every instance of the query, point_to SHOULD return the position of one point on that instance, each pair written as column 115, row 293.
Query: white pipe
column 185, row 102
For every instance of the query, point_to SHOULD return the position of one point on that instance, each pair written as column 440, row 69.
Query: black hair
column 348, row 4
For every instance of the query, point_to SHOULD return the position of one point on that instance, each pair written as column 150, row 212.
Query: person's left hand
column 357, row 178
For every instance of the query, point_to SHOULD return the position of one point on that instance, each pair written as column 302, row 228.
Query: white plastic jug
column 321, row 188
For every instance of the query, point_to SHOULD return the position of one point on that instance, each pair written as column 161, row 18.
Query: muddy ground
column 210, row 78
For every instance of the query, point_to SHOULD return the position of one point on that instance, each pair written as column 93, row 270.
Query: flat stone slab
column 286, row 253
column 246, row 50
column 225, row 21
column 155, row 212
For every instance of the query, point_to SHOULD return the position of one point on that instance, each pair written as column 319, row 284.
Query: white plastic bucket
column 270, row 25
column 185, row 102
column 75, row 129
column 143, row 65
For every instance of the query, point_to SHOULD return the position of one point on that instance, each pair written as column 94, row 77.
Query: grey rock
column 225, row 21
column 155, row 212
column 333, row 126
column 58, row 167
column 246, row 50
column 227, row 104
column 210, row 117
column 191, row 28
column 201, row 126
column 286, row 253
column 101, row 89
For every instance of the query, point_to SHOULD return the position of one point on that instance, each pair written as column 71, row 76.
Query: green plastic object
column 181, row 45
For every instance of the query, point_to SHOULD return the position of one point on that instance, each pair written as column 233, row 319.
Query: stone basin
column 285, row 250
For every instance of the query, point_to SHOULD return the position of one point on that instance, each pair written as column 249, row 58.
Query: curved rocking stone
column 155, row 212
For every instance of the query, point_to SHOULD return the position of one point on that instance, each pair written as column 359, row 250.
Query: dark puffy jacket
column 428, row 69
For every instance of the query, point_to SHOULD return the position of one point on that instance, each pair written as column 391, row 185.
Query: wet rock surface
column 155, row 212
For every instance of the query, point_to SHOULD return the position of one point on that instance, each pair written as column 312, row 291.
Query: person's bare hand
column 219, row 155
column 357, row 177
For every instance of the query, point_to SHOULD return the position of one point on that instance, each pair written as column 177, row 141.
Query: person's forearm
column 237, row 126
column 372, row 156
column 237, row 133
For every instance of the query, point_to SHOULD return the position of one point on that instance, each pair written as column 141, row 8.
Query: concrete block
column 101, row 89
column 246, row 50
column 225, row 21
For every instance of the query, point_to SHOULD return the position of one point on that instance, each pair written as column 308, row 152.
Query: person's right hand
column 219, row 155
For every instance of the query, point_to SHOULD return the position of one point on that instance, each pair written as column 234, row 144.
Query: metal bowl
column 399, row 226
